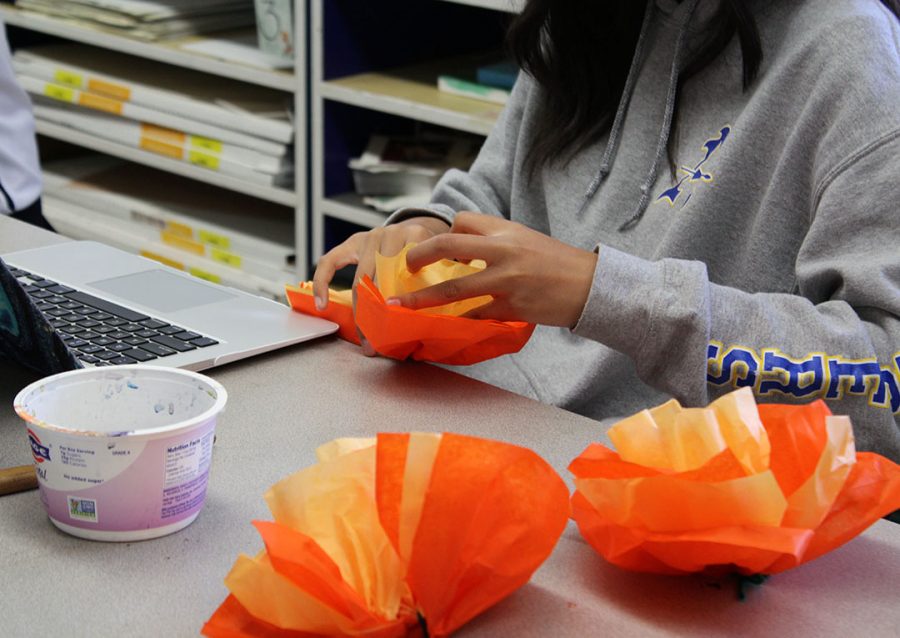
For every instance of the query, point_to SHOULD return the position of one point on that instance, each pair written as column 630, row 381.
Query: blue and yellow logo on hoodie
column 694, row 175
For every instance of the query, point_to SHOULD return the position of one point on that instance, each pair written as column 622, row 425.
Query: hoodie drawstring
column 619, row 121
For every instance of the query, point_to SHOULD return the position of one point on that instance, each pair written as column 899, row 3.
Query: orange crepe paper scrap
column 439, row 334
column 339, row 309
column 385, row 537
column 757, row 489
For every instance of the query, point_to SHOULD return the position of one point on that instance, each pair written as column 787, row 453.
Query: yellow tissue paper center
column 393, row 278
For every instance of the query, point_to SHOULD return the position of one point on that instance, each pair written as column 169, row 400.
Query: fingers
column 332, row 261
column 477, row 223
column 451, row 246
column 474, row 285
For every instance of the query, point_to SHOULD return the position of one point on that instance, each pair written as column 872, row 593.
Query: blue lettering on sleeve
column 792, row 375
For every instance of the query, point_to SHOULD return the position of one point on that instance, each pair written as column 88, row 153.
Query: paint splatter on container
column 122, row 453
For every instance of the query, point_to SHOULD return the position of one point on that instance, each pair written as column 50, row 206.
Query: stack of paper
column 149, row 19
column 215, row 234
column 208, row 121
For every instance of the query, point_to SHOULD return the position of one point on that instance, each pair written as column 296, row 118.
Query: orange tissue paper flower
column 394, row 536
column 757, row 489
column 438, row 334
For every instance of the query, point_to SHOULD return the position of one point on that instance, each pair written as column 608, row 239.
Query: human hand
column 531, row 276
column 360, row 249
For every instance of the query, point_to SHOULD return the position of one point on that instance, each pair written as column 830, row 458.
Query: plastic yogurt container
column 122, row 453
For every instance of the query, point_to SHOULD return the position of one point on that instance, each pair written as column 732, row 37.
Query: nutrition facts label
column 185, row 483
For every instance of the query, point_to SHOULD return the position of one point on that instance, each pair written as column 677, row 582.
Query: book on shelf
column 467, row 88
column 192, row 149
column 127, row 110
column 234, row 230
column 501, row 75
column 409, row 165
column 148, row 19
column 165, row 88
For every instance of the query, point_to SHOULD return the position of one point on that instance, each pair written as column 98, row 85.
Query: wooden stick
column 17, row 479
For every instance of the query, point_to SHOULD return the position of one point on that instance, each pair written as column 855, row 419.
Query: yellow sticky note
column 65, row 76
column 208, row 276
column 206, row 143
column 58, row 92
column 204, row 159
column 214, row 239
column 224, row 257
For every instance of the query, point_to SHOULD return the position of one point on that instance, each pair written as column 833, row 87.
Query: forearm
column 696, row 340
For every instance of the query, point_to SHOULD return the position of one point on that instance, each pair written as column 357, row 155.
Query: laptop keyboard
column 102, row 333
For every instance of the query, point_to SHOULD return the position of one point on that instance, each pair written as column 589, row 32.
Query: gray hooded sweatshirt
column 771, row 260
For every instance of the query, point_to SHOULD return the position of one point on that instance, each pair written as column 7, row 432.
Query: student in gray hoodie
column 688, row 197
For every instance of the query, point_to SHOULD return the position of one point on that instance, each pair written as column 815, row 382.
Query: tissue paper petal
column 494, row 513
column 401, row 333
column 334, row 504
column 786, row 488
column 339, row 308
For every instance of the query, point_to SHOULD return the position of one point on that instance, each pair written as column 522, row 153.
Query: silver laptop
column 110, row 307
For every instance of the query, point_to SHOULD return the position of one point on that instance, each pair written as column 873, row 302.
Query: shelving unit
column 293, row 83
column 374, row 71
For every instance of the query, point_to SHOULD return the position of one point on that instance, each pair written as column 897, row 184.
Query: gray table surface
column 281, row 407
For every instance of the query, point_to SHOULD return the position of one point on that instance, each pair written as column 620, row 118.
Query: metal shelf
column 269, row 193
column 350, row 208
column 412, row 92
column 168, row 52
column 510, row 6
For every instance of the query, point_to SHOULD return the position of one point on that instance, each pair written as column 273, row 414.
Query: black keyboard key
column 186, row 335
column 68, row 338
column 55, row 299
column 158, row 350
column 72, row 329
column 175, row 344
column 59, row 323
column 118, row 334
column 153, row 324
column 31, row 288
column 84, row 310
column 77, row 342
column 102, row 316
column 170, row 330
column 59, row 289
column 102, row 341
column 115, row 321
column 44, row 283
column 88, row 349
column 40, row 294
column 88, row 358
column 18, row 272
column 88, row 334
column 139, row 355
column 105, row 329
column 130, row 327
column 70, row 305
column 57, row 312
column 146, row 334
column 119, row 347
column 203, row 342
column 87, row 322
column 106, row 306
column 106, row 355
column 43, row 306
column 71, row 317
column 121, row 361
column 135, row 341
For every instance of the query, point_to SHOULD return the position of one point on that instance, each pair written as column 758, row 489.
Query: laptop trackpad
column 161, row 290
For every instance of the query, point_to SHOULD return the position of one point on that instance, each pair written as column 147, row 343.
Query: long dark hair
column 579, row 52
